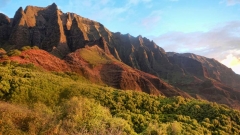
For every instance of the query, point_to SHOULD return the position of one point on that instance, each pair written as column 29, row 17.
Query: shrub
column 6, row 62
column 24, row 48
column 84, row 115
column 153, row 129
column 35, row 47
column 4, row 56
column 28, row 65
column 19, row 120
column 175, row 128
column 14, row 52
column 2, row 51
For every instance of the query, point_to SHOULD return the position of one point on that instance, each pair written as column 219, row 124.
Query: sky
column 209, row 28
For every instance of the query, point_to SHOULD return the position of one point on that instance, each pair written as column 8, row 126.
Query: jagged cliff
column 63, row 34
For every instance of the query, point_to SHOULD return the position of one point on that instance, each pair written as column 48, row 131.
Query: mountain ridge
column 64, row 33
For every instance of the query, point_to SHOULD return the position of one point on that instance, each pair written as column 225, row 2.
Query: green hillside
column 35, row 101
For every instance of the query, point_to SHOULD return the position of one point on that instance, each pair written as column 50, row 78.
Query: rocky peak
column 53, row 7
column 67, row 19
column 19, row 17
column 32, row 13
column 4, row 20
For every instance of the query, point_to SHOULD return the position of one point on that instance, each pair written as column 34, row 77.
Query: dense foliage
column 34, row 101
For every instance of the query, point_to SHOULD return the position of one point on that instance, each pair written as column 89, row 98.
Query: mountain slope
column 213, row 69
column 215, row 82
column 36, row 101
column 62, row 34
column 99, row 67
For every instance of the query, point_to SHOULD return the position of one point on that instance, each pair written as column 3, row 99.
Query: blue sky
column 205, row 27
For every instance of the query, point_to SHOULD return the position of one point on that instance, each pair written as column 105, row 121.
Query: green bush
column 81, row 114
column 2, row 51
column 14, row 52
column 35, row 47
column 24, row 48
column 4, row 56
column 77, row 116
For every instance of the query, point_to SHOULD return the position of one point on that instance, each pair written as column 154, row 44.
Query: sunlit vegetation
column 24, row 48
column 14, row 52
column 35, row 101
column 94, row 56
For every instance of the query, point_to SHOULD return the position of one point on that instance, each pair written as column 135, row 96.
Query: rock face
column 37, row 26
column 5, row 28
column 62, row 34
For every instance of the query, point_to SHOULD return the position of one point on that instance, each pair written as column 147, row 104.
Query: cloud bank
column 221, row 43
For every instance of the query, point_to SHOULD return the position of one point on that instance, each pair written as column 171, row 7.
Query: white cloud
column 217, row 43
column 152, row 19
column 232, row 62
column 99, row 9
column 105, row 9
column 109, row 13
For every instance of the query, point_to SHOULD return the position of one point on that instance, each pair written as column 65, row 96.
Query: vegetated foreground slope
column 36, row 101
column 63, row 33
column 98, row 67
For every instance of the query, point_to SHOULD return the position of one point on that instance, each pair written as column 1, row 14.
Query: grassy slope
column 34, row 101
column 94, row 55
